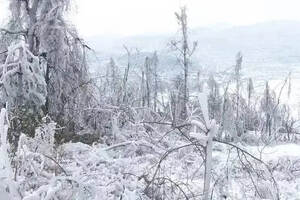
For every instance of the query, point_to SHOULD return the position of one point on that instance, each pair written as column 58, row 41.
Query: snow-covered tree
column 210, row 128
column 63, row 56
column 22, row 78
column 23, row 89
column 155, row 61
column 113, row 83
column 237, row 79
column 185, row 50
column 268, row 106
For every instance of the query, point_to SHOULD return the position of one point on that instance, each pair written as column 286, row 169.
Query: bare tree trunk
column 173, row 109
column 238, row 66
column 270, row 125
column 47, row 80
column 185, row 61
column 199, row 85
column 143, row 89
column 32, row 39
column 148, row 92
column 185, row 53
column 268, row 109
column 125, row 79
column 155, row 82
column 20, row 87
column 207, row 175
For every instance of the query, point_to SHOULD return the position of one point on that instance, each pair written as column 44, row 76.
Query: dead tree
column 237, row 78
column 250, row 89
column 185, row 52
column 148, row 81
column 143, row 89
column 125, row 78
column 155, row 92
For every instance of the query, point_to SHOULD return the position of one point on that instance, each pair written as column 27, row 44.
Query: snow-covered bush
column 22, row 79
column 45, row 137
column 23, row 89
column 8, row 189
column 38, row 170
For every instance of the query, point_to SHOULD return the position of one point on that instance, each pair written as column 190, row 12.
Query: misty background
column 267, row 32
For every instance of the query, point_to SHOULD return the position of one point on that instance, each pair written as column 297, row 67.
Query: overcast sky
column 133, row 17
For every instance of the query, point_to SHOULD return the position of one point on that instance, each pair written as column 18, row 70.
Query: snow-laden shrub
column 44, row 137
column 39, row 172
column 113, row 174
column 23, row 89
column 7, row 184
column 22, row 80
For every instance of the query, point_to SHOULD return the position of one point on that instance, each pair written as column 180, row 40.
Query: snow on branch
column 22, row 77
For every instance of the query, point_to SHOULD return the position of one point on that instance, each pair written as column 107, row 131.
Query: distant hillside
column 263, row 45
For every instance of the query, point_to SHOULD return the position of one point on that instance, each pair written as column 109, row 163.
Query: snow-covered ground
column 160, row 166
column 113, row 174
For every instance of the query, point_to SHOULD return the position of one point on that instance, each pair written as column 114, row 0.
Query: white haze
column 134, row 17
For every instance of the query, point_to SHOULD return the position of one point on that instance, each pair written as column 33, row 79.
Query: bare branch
column 23, row 33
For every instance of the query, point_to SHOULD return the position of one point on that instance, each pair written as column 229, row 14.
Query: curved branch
column 63, row 170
